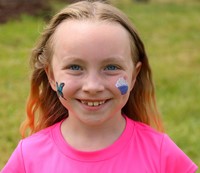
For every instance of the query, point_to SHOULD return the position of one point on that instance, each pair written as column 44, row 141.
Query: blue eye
column 111, row 67
column 75, row 67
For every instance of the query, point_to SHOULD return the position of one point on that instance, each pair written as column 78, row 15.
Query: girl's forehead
column 91, row 39
column 80, row 31
column 75, row 25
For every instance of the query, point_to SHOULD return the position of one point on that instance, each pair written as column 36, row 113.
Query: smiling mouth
column 92, row 103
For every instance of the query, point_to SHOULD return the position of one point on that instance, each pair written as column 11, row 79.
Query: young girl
column 92, row 105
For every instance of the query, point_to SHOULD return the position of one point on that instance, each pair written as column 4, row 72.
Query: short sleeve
column 173, row 159
column 15, row 163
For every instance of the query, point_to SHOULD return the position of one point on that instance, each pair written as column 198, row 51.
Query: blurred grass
column 171, row 33
column 16, row 41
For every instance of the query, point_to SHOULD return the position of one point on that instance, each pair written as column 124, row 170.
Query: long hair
column 43, row 106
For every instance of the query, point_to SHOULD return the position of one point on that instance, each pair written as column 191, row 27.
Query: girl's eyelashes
column 112, row 67
column 78, row 68
column 74, row 67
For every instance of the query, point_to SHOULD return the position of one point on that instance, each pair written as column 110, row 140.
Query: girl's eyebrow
column 73, row 59
column 109, row 59
column 114, row 59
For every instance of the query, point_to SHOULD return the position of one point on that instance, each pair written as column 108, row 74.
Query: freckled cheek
column 70, row 86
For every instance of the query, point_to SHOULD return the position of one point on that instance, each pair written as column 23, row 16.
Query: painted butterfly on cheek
column 60, row 89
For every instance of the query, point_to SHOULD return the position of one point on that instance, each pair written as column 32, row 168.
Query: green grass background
column 171, row 33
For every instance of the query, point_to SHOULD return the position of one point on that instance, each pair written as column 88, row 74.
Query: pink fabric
column 139, row 149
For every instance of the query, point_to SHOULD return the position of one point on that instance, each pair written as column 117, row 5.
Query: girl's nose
column 93, row 84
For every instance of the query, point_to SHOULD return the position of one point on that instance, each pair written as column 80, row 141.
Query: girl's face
column 90, row 61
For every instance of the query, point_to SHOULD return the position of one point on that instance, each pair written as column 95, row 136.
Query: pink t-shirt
column 139, row 149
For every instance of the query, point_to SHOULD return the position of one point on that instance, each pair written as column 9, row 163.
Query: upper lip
column 93, row 103
column 93, row 100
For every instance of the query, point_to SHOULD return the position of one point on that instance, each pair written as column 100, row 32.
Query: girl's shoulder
column 40, row 138
column 33, row 149
column 161, row 148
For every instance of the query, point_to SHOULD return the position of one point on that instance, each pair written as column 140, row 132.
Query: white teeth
column 90, row 104
column 96, row 103
column 102, row 102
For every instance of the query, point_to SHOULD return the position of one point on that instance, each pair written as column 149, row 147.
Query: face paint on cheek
column 60, row 89
column 122, row 85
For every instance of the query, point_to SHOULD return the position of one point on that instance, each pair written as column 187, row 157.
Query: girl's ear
column 135, row 73
column 137, row 68
column 50, row 77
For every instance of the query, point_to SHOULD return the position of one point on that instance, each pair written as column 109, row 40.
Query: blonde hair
column 43, row 106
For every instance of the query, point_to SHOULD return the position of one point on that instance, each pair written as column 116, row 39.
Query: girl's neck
column 91, row 138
